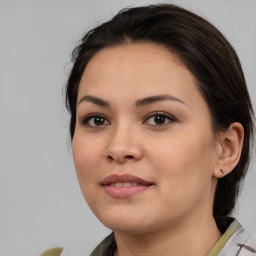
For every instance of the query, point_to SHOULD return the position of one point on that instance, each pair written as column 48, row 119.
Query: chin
column 128, row 228
column 126, row 221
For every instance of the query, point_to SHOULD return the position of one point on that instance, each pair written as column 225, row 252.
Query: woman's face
column 143, row 146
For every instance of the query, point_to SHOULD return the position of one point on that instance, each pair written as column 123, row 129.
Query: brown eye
column 95, row 121
column 98, row 121
column 158, row 119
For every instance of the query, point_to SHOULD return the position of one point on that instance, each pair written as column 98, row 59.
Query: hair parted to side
column 204, row 51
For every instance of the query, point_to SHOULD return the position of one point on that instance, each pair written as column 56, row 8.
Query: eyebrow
column 139, row 103
column 157, row 98
column 94, row 100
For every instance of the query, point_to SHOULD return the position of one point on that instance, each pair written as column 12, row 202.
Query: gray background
column 40, row 200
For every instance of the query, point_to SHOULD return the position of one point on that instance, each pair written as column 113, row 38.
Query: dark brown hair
column 204, row 51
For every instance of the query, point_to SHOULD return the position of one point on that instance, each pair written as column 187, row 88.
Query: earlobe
column 230, row 144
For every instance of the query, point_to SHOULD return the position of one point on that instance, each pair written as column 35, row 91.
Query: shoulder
column 241, row 243
column 53, row 252
column 249, row 245
column 106, row 247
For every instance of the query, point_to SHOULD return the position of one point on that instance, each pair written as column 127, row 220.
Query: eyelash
column 85, row 121
column 169, row 118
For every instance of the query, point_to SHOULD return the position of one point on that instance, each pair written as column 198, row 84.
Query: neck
column 196, row 237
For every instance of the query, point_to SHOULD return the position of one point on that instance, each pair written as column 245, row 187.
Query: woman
column 161, row 127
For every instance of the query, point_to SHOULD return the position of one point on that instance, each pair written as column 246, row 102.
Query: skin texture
column 182, row 157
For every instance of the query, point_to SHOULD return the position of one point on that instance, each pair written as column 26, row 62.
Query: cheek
column 86, row 159
column 184, row 170
column 184, row 162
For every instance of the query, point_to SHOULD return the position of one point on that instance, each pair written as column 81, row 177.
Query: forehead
column 138, row 70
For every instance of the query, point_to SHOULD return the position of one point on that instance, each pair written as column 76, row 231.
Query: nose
column 123, row 146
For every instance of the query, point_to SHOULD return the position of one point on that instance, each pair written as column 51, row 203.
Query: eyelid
column 171, row 118
column 84, row 120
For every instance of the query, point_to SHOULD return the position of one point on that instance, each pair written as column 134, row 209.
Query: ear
column 230, row 148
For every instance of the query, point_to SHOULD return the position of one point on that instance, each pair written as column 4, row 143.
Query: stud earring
column 222, row 171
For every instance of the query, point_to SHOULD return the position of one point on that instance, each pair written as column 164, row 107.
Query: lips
column 125, row 178
column 122, row 186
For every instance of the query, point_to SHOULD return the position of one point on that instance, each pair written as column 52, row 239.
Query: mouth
column 123, row 186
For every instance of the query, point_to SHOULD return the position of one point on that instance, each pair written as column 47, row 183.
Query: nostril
column 119, row 158
column 129, row 157
column 110, row 158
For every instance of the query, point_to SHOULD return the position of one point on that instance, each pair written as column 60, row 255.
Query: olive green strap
column 53, row 252
column 234, row 226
